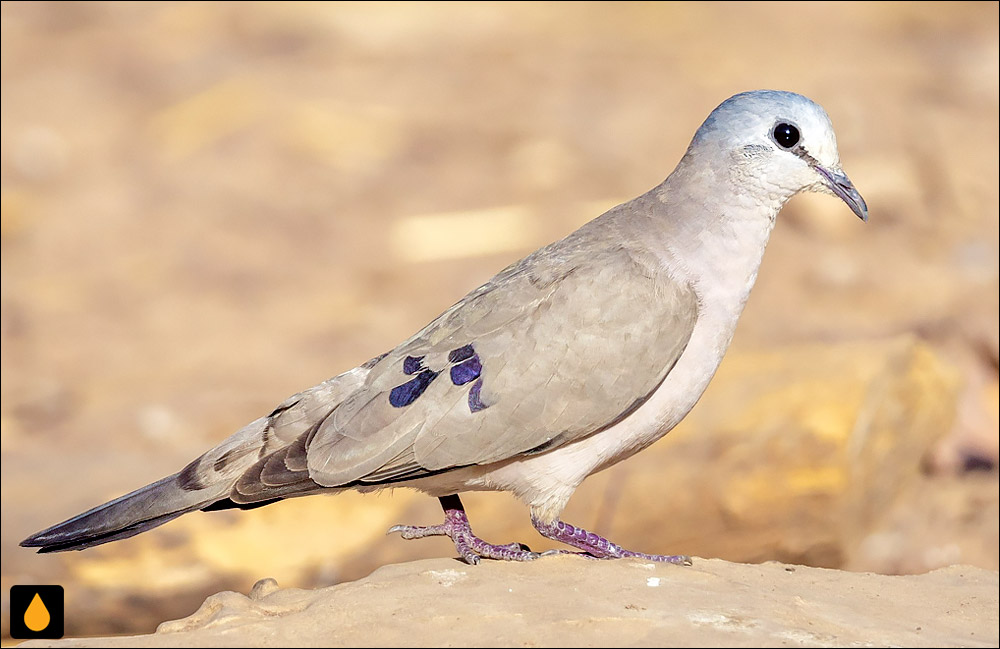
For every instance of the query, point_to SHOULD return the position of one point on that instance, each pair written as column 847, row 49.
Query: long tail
column 141, row 510
column 261, row 450
column 202, row 483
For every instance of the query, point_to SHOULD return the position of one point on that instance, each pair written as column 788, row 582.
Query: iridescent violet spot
column 460, row 354
column 475, row 403
column 404, row 395
column 466, row 371
column 412, row 364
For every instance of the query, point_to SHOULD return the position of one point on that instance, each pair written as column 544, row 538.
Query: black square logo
column 36, row 612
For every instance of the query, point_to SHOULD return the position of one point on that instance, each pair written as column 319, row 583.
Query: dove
column 566, row 362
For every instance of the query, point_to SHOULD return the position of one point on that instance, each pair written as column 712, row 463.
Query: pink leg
column 470, row 547
column 597, row 546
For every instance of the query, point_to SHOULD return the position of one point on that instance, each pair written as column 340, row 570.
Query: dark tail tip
column 61, row 540
column 141, row 510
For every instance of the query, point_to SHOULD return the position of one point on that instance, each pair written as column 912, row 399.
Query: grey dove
column 574, row 358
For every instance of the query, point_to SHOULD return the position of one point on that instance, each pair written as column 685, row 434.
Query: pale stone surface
column 199, row 202
column 570, row 601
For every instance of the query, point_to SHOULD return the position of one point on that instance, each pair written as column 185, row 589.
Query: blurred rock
column 939, row 521
column 431, row 237
column 193, row 123
column 199, row 202
column 569, row 601
column 39, row 153
column 345, row 137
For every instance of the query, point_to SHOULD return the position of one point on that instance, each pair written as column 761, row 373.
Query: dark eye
column 786, row 135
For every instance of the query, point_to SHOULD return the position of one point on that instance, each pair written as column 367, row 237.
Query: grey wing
column 247, row 458
column 552, row 350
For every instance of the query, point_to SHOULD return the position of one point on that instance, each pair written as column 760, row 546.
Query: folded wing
column 555, row 348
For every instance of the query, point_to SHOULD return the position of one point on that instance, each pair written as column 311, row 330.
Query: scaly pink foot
column 470, row 547
column 597, row 546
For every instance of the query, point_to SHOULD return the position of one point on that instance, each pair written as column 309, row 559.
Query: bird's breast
column 722, row 268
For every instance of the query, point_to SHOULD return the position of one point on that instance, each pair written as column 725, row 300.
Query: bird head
column 772, row 145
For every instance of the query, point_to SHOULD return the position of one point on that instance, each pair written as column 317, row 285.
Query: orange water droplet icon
column 36, row 617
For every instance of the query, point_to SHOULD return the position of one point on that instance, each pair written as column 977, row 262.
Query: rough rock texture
column 570, row 601
column 210, row 206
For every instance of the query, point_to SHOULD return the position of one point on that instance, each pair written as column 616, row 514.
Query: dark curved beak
column 841, row 185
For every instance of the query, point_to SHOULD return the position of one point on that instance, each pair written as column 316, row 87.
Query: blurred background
column 208, row 207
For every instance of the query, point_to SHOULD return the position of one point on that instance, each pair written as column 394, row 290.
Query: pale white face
column 776, row 144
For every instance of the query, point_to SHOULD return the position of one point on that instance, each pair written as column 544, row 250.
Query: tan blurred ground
column 208, row 207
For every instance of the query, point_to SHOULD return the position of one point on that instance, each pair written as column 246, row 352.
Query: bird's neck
column 713, row 238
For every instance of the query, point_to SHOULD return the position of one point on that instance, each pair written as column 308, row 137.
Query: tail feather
column 143, row 509
column 83, row 542
column 208, row 482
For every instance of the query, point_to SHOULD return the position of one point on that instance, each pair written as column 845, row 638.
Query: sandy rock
column 199, row 204
column 570, row 601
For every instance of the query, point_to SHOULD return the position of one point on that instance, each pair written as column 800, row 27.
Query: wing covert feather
column 555, row 348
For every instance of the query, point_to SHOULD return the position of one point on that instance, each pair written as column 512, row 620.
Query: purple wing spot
column 466, row 368
column 404, row 395
column 466, row 371
column 412, row 364
column 461, row 354
column 475, row 403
